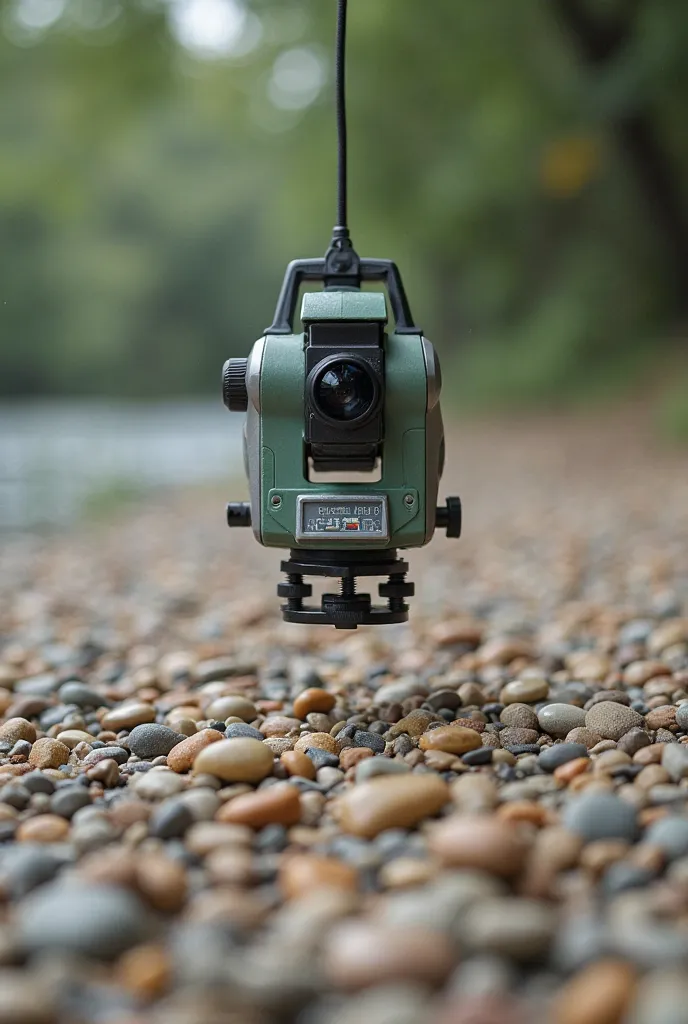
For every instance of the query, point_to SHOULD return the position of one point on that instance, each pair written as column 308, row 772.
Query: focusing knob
column 449, row 517
column 234, row 391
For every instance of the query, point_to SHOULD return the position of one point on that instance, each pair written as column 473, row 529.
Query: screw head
column 275, row 501
column 409, row 499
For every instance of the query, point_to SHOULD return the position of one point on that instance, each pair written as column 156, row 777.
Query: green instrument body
column 275, row 448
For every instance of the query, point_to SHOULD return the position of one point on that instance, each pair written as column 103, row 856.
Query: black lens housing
column 344, row 391
column 344, row 394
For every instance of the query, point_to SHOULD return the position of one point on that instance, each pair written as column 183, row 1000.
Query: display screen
column 342, row 518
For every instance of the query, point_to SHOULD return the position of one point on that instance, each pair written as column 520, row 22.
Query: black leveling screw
column 294, row 590
column 396, row 590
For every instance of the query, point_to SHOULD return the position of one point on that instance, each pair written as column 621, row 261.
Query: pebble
column 237, row 729
column 675, row 761
column 521, row 929
column 359, row 954
column 682, row 717
column 149, row 741
column 44, row 828
column 232, row 706
column 89, row 920
column 81, row 695
column 240, row 760
column 601, row 816
column 612, row 720
column 170, row 819
column 369, row 740
column 128, row 716
column 47, row 753
column 314, row 699
column 279, row 804
column 559, row 754
column 374, row 766
column 17, row 729
column 414, row 724
column 391, row 801
column 297, row 763
column 481, row 842
column 302, row 874
column 559, row 719
column 317, row 741
column 451, row 738
column 183, row 754
column 599, row 994
column 524, row 691
column 670, row 835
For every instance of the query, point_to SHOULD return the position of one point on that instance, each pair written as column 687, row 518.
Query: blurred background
column 525, row 164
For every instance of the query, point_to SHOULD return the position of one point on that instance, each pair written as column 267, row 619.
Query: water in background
column 59, row 458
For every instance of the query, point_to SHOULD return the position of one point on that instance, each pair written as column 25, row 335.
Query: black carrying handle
column 299, row 271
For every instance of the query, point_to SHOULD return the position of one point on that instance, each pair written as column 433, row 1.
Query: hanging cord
column 341, row 259
column 340, row 94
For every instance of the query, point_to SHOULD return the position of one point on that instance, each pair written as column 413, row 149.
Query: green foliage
column 149, row 198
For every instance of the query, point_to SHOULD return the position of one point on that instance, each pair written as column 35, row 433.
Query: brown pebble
column 297, row 763
column 15, row 729
column 597, row 856
column 239, row 760
column 652, row 775
column 359, row 954
column 161, row 881
column 392, row 801
column 106, row 772
column 476, row 841
column 407, row 872
column 277, row 805
column 554, row 850
column 301, row 874
column 475, row 792
column 206, row 836
column 145, row 972
column 280, row 725
column 352, row 756
column 451, row 739
column 127, row 812
column 663, row 717
column 128, row 716
column 638, row 672
column 279, row 744
column 183, row 755
column 599, row 994
column 414, row 724
column 312, row 700
column 502, row 650
column 566, row 772
column 231, row 705
column 585, row 736
column 47, row 753
column 318, row 740
column 439, row 760
column 44, row 828
column 525, row 810
column 649, row 755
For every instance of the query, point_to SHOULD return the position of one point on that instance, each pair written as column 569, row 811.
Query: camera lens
column 344, row 391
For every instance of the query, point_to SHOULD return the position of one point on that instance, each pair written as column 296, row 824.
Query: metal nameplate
column 351, row 517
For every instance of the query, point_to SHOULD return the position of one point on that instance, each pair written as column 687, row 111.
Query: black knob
column 449, row 517
column 234, row 391
column 239, row 513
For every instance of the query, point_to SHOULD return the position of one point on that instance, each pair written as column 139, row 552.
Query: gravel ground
column 211, row 817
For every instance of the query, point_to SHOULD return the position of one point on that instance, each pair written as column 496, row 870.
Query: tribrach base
column 347, row 609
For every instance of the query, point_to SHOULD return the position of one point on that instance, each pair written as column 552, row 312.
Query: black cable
column 340, row 55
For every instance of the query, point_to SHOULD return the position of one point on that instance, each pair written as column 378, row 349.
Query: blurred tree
column 524, row 163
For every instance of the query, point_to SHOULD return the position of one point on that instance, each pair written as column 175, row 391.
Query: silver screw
column 276, row 500
column 409, row 499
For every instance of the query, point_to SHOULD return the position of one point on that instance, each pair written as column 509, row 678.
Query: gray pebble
column 81, row 695
column 675, row 760
column 633, row 741
column 379, row 765
column 520, row 929
column 682, row 717
column 38, row 686
column 601, row 816
column 560, row 719
column 118, row 754
column 401, row 690
column 93, row 921
column 66, row 802
column 362, row 738
column 241, row 729
column 170, row 819
column 670, row 834
column 151, row 740
column 28, row 865
column 57, row 715
column 560, row 753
